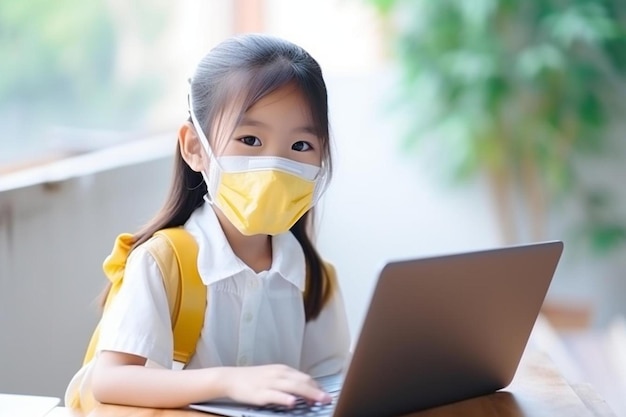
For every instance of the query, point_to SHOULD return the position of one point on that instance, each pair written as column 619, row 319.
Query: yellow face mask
column 262, row 195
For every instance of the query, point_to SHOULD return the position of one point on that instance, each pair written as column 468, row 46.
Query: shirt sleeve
column 327, row 339
column 138, row 320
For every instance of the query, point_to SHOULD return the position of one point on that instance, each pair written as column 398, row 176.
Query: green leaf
column 606, row 237
column 534, row 60
column 588, row 23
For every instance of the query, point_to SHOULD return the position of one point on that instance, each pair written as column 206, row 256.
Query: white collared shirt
column 252, row 318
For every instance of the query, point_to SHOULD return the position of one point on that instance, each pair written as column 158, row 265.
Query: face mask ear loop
column 321, row 184
column 199, row 131
column 207, row 147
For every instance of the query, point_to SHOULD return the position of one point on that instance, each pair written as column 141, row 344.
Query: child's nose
column 277, row 150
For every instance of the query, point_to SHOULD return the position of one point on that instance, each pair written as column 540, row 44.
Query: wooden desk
column 537, row 390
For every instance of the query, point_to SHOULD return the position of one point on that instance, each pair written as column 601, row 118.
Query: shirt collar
column 217, row 261
column 288, row 259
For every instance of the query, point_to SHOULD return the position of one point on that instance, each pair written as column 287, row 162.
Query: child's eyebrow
column 248, row 122
column 306, row 129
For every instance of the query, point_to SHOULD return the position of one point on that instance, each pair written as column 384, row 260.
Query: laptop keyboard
column 331, row 384
column 302, row 408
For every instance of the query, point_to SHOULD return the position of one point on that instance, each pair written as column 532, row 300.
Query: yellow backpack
column 175, row 252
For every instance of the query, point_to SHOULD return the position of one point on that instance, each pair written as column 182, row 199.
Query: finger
column 276, row 397
column 305, row 389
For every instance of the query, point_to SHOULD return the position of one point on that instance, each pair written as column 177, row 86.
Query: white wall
column 384, row 204
column 380, row 205
column 53, row 239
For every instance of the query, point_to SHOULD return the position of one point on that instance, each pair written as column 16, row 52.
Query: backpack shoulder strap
column 163, row 254
column 331, row 278
column 176, row 254
column 113, row 268
column 329, row 283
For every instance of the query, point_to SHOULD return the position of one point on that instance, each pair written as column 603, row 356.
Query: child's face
column 277, row 125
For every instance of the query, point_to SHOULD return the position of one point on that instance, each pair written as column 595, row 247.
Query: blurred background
column 457, row 126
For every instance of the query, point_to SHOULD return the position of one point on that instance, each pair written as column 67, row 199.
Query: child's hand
column 272, row 384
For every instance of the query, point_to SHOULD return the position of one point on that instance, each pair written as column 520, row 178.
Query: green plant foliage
column 504, row 85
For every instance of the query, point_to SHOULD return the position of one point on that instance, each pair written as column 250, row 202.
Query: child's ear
column 190, row 147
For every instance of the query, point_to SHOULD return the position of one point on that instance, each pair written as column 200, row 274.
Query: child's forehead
column 240, row 106
column 244, row 96
column 286, row 95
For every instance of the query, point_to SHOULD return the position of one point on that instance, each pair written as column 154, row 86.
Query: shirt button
column 247, row 317
column 243, row 360
column 252, row 283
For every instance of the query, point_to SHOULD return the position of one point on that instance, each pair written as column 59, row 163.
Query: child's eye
column 301, row 146
column 250, row 140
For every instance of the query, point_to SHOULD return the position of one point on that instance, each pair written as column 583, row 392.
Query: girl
column 250, row 163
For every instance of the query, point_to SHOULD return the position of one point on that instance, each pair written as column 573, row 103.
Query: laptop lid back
column 443, row 329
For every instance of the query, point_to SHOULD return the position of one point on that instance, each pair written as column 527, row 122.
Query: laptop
column 438, row 330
